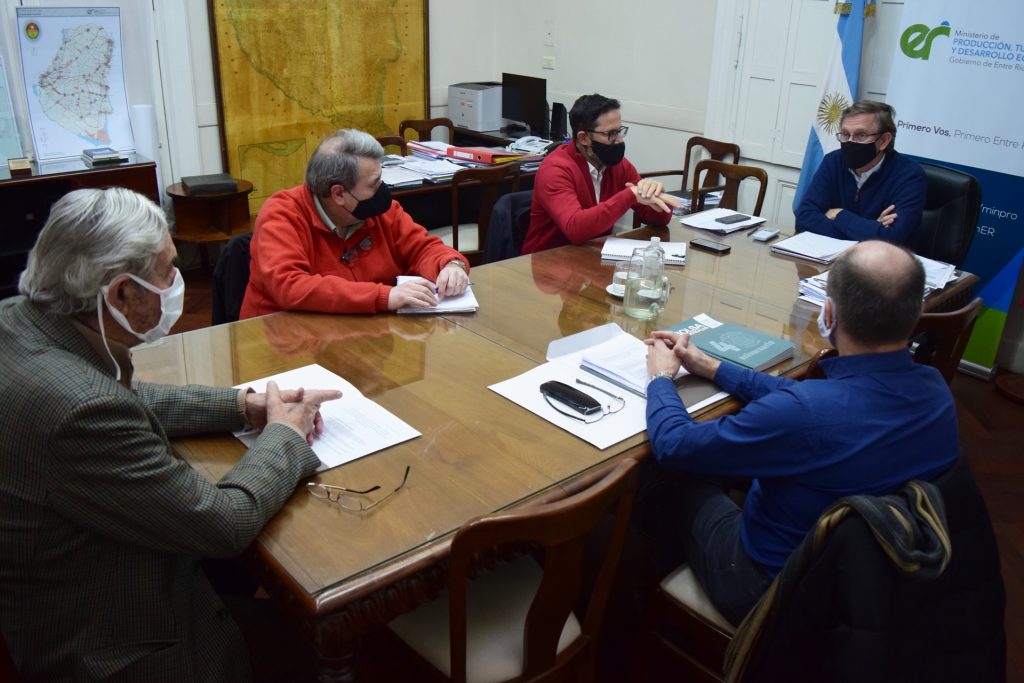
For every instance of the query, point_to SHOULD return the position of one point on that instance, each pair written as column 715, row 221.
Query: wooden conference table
column 340, row 574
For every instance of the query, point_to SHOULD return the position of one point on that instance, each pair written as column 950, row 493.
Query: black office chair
column 230, row 278
column 950, row 215
column 510, row 218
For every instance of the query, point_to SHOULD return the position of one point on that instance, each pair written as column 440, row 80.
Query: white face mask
column 824, row 330
column 172, row 302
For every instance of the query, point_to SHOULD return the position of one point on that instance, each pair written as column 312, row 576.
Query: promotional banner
column 957, row 85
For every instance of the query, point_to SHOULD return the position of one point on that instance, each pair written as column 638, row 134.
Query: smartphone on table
column 710, row 245
column 732, row 218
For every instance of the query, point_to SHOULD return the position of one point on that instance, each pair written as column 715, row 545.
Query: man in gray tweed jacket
column 101, row 527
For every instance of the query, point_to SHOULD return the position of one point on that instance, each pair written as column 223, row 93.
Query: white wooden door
column 785, row 55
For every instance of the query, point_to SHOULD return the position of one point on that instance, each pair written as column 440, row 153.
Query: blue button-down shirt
column 877, row 421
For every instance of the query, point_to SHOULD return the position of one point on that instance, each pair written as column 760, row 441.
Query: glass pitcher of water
column 647, row 285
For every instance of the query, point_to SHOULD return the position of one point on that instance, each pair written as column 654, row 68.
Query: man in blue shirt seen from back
column 876, row 421
column 866, row 189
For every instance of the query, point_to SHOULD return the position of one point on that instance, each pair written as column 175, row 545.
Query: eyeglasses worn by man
column 584, row 186
column 865, row 189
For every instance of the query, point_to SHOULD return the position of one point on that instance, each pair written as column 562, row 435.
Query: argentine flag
column 837, row 93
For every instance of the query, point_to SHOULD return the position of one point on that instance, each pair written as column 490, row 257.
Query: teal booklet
column 734, row 343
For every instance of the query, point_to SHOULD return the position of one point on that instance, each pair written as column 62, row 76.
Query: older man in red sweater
column 336, row 243
column 583, row 187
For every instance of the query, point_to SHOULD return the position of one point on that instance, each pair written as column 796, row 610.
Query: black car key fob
column 583, row 404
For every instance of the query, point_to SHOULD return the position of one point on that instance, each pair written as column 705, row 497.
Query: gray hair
column 91, row 237
column 884, row 115
column 336, row 160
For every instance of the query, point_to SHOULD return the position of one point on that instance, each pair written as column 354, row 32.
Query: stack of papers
column 399, row 176
column 428, row 149
column 620, row 249
column 708, row 220
column 711, row 200
column 432, row 170
column 813, row 247
column 622, row 360
column 936, row 276
column 464, row 303
column 813, row 289
column 628, row 355
column 354, row 425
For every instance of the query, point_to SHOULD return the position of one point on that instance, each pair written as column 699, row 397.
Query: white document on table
column 565, row 365
column 397, row 176
column 937, row 274
column 609, row 430
column 354, row 425
column 813, row 247
column 431, row 168
column 463, row 303
column 707, row 220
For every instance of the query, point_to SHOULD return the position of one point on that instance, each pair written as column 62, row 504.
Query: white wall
column 601, row 46
column 641, row 58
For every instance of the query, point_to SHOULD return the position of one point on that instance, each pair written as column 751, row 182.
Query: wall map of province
column 291, row 73
column 74, row 92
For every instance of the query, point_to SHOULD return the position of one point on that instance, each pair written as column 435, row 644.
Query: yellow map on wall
column 291, row 72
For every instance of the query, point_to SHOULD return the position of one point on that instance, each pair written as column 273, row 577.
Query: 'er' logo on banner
column 916, row 41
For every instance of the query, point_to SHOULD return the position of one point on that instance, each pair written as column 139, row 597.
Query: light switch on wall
column 547, row 63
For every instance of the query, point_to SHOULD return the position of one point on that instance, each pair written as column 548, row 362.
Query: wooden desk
column 340, row 574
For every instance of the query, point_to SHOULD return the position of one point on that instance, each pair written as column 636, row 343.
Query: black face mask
column 609, row 154
column 375, row 205
column 858, row 154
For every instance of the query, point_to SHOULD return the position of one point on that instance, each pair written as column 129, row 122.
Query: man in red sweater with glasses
column 584, row 186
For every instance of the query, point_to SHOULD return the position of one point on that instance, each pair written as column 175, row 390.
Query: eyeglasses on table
column 351, row 499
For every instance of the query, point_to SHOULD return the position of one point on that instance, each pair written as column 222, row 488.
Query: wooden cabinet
column 25, row 203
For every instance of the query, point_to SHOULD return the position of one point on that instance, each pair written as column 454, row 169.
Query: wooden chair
column 716, row 150
column 491, row 182
column 394, row 141
column 425, row 128
column 518, row 622
column 940, row 338
column 813, row 371
column 734, row 174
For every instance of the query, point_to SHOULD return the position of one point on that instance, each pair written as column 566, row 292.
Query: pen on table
column 753, row 229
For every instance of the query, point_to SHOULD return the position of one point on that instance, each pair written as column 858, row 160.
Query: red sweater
column 296, row 259
column 565, row 210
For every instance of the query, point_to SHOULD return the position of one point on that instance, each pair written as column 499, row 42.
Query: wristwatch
column 664, row 373
column 457, row 262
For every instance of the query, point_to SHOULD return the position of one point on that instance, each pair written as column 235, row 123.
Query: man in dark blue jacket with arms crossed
column 866, row 189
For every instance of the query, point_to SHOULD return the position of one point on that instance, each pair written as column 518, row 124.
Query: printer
column 476, row 106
